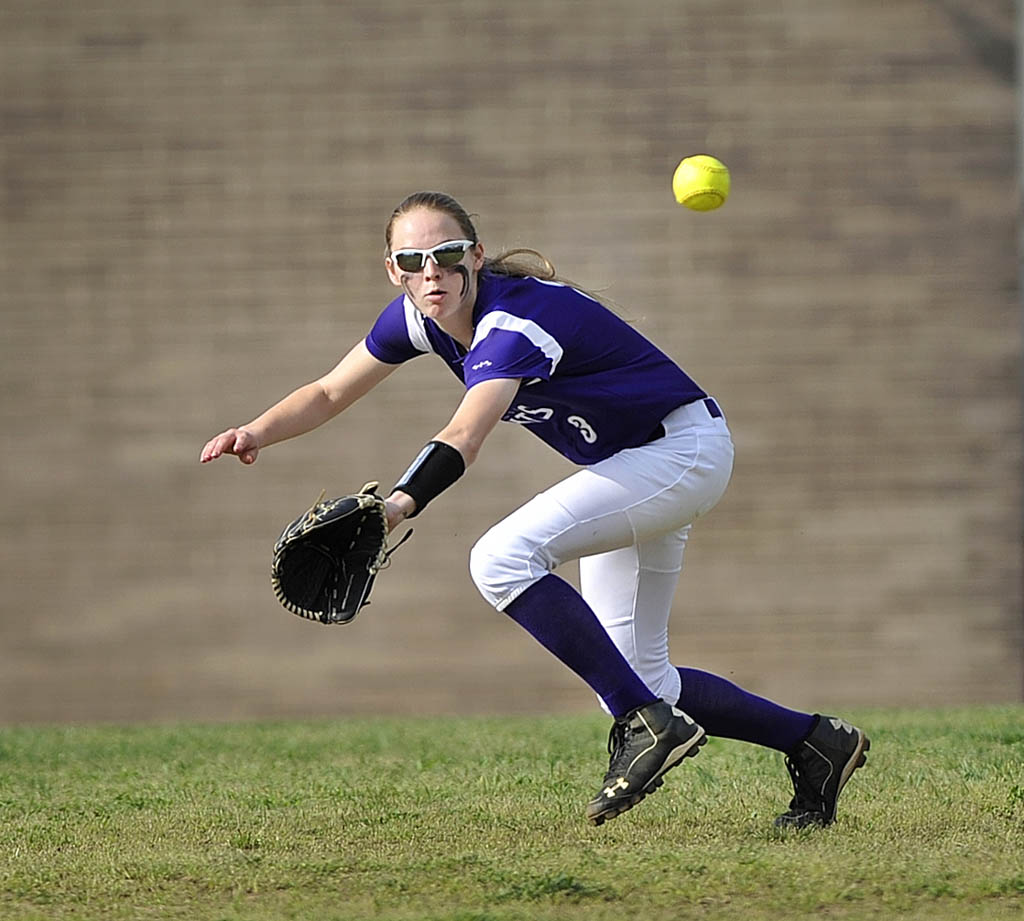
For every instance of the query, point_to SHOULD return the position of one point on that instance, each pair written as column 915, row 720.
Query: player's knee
column 485, row 573
column 491, row 570
column 502, row 566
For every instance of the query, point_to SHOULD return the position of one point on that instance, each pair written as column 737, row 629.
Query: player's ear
column 478, row 257
column 392, row 274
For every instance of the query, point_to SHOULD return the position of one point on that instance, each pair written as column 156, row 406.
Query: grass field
column 480, row 819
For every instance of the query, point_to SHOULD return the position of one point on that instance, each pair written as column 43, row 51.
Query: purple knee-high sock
column 563, row 623
column 725, row 710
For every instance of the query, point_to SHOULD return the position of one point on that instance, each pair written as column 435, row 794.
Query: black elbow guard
column 436, row 467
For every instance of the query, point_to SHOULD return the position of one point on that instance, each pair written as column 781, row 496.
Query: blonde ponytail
column 512, row 263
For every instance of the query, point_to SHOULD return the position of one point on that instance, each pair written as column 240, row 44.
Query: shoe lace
column 617, row 747
column 805, row 796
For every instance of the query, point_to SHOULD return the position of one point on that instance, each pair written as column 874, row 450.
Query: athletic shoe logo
column 620, row 784
column 841, row 725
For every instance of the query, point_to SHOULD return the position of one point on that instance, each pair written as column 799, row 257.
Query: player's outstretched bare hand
column 238, row 441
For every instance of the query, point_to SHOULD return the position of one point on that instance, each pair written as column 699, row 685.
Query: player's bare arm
column 304, row 409
column 480, row 410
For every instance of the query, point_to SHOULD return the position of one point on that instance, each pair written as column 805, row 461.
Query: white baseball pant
column 626, row 519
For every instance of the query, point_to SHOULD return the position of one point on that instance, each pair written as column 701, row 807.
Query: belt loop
column 713, row 409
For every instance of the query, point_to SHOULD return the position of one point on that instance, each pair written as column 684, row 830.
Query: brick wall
column 193, row 203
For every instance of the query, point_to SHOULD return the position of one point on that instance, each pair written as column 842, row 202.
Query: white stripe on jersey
column 541, row 339
column 415, row 328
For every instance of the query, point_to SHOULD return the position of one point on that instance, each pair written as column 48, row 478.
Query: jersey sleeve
column 506, row 346
column 391, row 340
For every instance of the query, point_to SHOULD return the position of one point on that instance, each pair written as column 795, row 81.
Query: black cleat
column 820, row 767
column 644, row 745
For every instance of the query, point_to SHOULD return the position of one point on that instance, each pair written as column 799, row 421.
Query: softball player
column 655, row 453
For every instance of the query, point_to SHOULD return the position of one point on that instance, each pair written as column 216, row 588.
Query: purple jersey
column 591, row 384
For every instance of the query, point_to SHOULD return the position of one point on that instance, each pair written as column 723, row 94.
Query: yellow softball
column 701, row 182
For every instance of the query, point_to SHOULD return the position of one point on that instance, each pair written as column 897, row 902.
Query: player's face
column 441, row 293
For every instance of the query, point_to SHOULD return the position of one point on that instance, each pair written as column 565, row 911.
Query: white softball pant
column 626, row 519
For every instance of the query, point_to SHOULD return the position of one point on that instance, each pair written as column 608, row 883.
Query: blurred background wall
column 193, row 203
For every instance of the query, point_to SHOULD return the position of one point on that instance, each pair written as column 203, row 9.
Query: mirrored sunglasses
column 445, row 255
